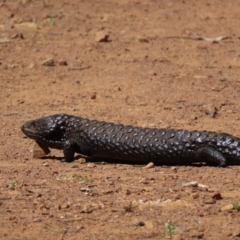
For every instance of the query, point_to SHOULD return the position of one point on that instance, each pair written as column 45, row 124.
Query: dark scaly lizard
column 104, row 140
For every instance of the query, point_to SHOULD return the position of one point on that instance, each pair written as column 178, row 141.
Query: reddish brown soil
column 156, row 70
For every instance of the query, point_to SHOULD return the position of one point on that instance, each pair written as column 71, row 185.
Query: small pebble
column 138, row 224
column 63, row 63
column 152, row 224
column 87, row 208
column 227, row 207
column 93, row 96
column 149, row 165
column 48, row 62
column 152, row 73
column 177, row 237
column 203, row 187
column 75, row 166
column 195, row 195
column 82, row 160
column 128, row 192
column 144, row 181
column 196, row 234
column 236, row 232
column 32, row 65
column 190, row 184
column 143, row 39
column 209, row 201
column 102, row 36
column 91, row 165
column 36, row 219
column 85, row 189
column 65, row 205
column 9, row 26
column 210, row 110
column 217, row 196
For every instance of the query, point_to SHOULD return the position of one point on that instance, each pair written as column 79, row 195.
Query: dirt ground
column 146, row 63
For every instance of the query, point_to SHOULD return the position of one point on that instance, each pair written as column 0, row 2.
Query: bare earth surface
column 146, row 63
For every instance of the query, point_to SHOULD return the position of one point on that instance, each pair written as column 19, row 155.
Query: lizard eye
column 33, row 124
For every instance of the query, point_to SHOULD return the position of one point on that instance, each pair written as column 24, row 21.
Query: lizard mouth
column 28, row 131
column 31, row 133
column 53, row 138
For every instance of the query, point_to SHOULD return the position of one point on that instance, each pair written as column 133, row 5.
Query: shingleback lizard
column 103, row 140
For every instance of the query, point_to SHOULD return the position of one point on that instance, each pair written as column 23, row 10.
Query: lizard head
column 49, row 131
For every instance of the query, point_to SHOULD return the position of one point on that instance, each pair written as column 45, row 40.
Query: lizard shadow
column 114, row 161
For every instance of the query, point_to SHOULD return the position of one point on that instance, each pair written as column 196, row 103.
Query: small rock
column 201, row 227
column 9, row 26
column 236, row 232
column 217, row 196
column 36, row 219
column 105, row 17
column 190, row 184
column 222, row 79
column 128, row 207
column 227, row 233
column 75, row 166
column 128, row 192
column 196, row 234
column 49, row 62
column 143, row 39
column 91, row 165
column 93, row 96
column 209, row 201
column 195, row 195
column 4, row 40
column 32, row 65
column 177, row 237
column 202, row 187
column 87, row 208
column 138, row 223
column 85, row 189
column 47, row 206
column 65, row 205
column 107, row 191
column 102, row 36
column 18, row 35
column 210, row 110
column 149, row 165
column 152, row 73
column 144, row 181
column 39, row 195
column 227, row 207
column 213, row 190
column 63, row 63
column 151, row 224
column 82, row 160
column 193, row 117
column 45, row 164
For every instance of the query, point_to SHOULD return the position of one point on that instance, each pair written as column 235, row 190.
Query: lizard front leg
column 68, row 151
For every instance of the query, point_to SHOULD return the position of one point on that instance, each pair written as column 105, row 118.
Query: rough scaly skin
column 104, row 140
